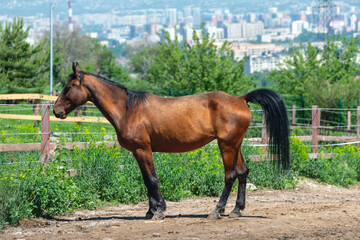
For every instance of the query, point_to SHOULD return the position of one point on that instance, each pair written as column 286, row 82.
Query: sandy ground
column 312, row 211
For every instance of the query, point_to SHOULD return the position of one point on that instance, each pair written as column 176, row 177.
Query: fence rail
column 52, row 146
column 36, row 96
column 46, row 147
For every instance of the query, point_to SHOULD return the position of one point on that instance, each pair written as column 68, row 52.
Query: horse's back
column 185, row 123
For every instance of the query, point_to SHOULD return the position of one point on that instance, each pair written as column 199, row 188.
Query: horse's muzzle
column 61, row 114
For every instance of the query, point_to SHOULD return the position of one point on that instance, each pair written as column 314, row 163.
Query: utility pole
column 52, row 5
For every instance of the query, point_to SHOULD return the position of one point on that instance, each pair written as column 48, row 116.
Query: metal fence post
column 45, row 132
column 315, row 125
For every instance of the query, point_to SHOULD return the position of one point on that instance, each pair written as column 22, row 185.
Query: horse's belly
column 176, row 146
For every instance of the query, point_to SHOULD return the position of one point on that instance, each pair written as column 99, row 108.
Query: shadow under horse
column 146, row 123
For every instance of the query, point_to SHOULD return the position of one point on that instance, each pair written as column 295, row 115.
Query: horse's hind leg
column 156, row 201
column 228, row 155
column 242, row 173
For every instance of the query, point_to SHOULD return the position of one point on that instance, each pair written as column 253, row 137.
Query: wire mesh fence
column 341, row 124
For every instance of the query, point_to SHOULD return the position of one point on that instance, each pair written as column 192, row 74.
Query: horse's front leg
column 156, row 201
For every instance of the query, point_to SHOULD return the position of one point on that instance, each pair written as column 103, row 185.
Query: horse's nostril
column 59, row 114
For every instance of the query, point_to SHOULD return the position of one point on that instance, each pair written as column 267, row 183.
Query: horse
column 147, row 123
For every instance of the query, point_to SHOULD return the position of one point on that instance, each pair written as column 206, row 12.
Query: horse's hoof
column 213, row 216
column 149, row 216
column 234, row 215
column 158, row 215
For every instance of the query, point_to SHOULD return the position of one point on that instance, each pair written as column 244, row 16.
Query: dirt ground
column 311, row 211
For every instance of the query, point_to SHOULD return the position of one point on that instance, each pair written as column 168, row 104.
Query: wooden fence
column 46, row 147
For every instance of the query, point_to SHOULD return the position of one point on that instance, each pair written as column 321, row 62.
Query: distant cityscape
column 256, row 34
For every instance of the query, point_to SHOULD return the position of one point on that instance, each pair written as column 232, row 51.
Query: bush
column 27, row 189
column 341, row 170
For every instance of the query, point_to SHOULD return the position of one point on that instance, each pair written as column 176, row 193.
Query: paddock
column 311, row 211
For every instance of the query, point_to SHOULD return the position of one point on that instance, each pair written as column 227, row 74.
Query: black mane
column 133, row 99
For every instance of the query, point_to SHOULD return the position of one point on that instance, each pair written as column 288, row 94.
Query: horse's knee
column 230, row 178
column 151, row 182
column 242, row 174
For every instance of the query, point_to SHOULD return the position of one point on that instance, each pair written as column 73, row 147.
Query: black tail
column 277, row 123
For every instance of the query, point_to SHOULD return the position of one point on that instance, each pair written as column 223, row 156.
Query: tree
column 142, row 58
column 321, row 76
column 199, row 67
column 23, row 67
column 93, row 57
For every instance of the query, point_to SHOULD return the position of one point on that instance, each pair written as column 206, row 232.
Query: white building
column 188, row 33
column 264, row 63
column 234, row 30
column 212, row 31
column 353, row 21
column 298, row 27
column 244, row 31
column 337, row 25
column 196, row 13
column 252, row 30
column 248, row 49
column 171, row 16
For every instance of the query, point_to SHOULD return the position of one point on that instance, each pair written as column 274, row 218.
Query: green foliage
column 322, row 76
column 200, row 67
column 307, row 37
column 342, row 170
column 28, row 189
column 142, row 58
column 299, row 154
column 92, row 57
column 23, row 67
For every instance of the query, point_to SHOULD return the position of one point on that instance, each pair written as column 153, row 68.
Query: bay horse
column 146, row 123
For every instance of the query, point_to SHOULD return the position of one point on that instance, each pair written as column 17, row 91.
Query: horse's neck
column 110, row 100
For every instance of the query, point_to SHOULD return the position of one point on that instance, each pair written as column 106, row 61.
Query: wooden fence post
column 264, row 135
column 84, row 110
column 293, row 114
column 45, row 132
column 348, row 123
column 77, row 114
column 35, row 103
column 358, row 126
column 318, row 120
column 315, row 125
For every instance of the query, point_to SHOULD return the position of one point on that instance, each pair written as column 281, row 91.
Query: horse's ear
column 76, row 68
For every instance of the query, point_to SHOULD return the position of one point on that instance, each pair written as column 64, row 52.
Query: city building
column 298, row 27
column 263, row 63
column 171, row 16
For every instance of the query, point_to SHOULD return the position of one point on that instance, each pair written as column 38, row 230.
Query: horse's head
column 73, row 95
